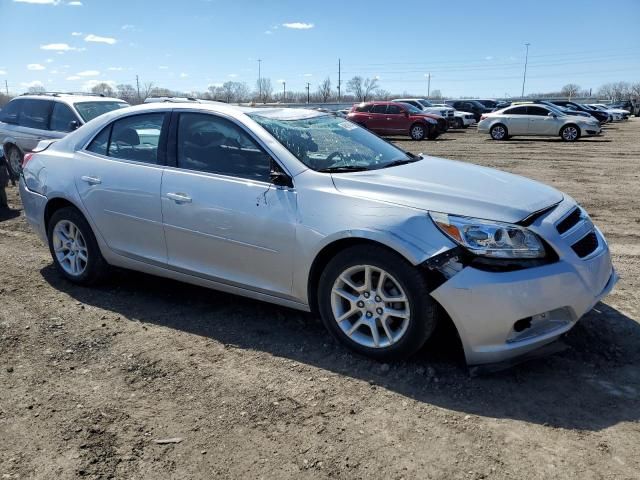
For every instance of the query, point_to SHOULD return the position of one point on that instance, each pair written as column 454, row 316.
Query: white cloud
column 128, row 27
column 54, row 72
column 59, row 47
column 268, row 32
column 35, row 66
column 97, row 39
column 39, row 2
column 74, row 77
column 308, row 75
column 163, row 67
column 115, row 69
column 3, row 72
column 75, row 4
column 280, row 80
column 76, row 34
column 89, row 73
column 49, row 60
column 233, row 75
column 184, row 75
column 488, row 57
column 298, row 25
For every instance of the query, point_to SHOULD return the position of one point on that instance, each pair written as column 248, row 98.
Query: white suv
column 28, row 119
column 426, row 106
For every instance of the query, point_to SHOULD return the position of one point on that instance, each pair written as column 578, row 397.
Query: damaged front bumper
column 500, row 315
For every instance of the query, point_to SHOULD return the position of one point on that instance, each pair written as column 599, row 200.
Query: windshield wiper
column 403, row 161
column 343, row 168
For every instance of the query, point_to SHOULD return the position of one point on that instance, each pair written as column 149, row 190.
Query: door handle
column 179, row 197
column 91, row 180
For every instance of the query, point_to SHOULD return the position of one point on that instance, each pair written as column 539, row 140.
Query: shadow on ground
column 593, row 385
column 8, row 213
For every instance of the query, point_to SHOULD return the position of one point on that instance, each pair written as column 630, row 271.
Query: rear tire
column 570, row 133
column 14, row 162
column 388, row 321
column 74, row 248
column 499, row 132
column 459, row 123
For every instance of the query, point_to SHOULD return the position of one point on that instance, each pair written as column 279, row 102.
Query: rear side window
column 394, row 110
column 363, row 108
column 11, row 112
column 379, row 109
column 134, row 138
column 36, row 114
column 61, row 118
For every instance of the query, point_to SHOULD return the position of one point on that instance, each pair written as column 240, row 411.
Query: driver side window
column 208, row 143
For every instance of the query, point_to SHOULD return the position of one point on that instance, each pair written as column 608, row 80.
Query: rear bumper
column 34, row 205
column 548, row 300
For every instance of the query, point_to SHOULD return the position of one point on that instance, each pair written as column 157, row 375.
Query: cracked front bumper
column 502, row 315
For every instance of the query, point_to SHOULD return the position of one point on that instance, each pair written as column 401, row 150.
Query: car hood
column 436, row 184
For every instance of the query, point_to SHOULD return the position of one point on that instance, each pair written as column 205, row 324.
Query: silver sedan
column 307, row 210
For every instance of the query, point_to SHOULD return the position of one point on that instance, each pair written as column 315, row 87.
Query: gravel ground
column 148, row 378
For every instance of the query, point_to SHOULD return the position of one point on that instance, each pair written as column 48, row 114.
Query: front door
column 540, row 123
column 397, row 121
column 378, row 119
column 223, row 219
column 118, row 177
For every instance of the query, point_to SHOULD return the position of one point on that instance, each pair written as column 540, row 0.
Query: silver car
column 304, row 209
column 28, row 119
column 539, row 120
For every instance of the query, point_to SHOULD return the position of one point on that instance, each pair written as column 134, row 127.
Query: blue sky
column 469, row 47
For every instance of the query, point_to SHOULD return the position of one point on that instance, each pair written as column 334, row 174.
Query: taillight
column 26, row 158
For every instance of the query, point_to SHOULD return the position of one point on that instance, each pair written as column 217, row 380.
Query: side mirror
column 73, row 125
column 279, row 178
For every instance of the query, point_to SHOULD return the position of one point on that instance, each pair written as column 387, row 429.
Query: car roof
column 69, row 98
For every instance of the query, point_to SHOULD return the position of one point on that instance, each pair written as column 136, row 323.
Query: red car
column 394, row 118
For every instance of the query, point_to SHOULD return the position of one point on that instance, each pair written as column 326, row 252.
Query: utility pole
column 284, row 91
column 339, row 78
column 308, row 85
column 428, row 85
column 138, row 85
column 6, row 87
column 260, row 79
column 524, row 77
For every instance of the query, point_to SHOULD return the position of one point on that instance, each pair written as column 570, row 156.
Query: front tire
column 376, row 303
column 74, row 248
column 499, row 132
column 570, row 133
column 459, row 123
column 418, row 131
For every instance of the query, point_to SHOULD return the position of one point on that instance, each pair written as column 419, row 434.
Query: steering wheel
column 335, row 154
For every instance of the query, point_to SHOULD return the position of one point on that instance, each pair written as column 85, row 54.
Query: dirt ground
column 91, row 379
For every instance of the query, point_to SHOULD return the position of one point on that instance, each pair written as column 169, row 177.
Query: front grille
column 569, row 221
column 586, row 245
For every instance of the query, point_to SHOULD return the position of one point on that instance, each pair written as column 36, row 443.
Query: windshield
column 411, row 109
column 488, row 103
column 327, row 143
column 425, row 103
column 555, row 109
column 90, row 110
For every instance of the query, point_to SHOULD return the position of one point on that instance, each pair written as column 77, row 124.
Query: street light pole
column 259, row 79
column 524, row 77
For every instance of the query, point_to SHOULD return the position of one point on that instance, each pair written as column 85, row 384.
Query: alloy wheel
column 370, row 306
column 570, row 133
column 498, row 132
column 417, row 132
column 70, row 248
column 15, row 162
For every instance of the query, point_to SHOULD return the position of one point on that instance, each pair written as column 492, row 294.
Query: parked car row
column 305, row 209
column 28, row 119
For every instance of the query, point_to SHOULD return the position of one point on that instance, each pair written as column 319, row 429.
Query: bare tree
column 362, row 89
column 126, row 92
column 147, row 88
column 635, row 89
column 324, row 90
column 436, row 95
column 621, row 90
column 606, row 91
column 36, row 89
column 231, row 92
column 103, row 89
column 570, row 90
column 264, row 89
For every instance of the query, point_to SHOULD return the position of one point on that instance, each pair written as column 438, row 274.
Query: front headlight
column 431, row 121
column 490, row 239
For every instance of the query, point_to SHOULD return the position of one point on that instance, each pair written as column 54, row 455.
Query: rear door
column 540, row 123
column 118, row 177
column 223, row 218
column 33, row 123
column 62, row 118
column 517, row 120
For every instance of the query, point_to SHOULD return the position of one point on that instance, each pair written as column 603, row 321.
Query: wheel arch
column 55, row 204
column 571, row 124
